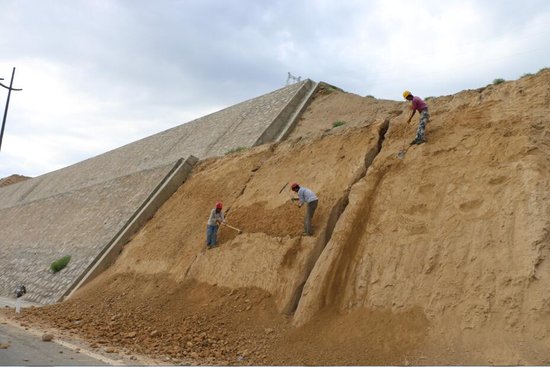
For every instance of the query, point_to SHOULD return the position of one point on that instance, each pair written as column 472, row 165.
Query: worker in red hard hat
column 305, row 195
column 216, row 218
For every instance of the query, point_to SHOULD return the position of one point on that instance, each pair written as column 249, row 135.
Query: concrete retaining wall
column 177, row 176
column 78, row 223
column 89, row 209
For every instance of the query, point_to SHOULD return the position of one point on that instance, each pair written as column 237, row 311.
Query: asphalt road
column 22, row 348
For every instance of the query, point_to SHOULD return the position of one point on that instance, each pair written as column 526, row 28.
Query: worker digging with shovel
column 418, row 105
column 216, row 218
column 214, row 221
column 305, row 195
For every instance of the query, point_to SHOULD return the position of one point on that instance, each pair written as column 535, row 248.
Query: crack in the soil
column 337, row 211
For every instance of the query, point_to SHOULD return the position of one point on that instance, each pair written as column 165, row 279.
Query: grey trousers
column 311, row 206
column 424, row 118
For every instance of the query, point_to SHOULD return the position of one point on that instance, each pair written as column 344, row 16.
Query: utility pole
column 7, row 104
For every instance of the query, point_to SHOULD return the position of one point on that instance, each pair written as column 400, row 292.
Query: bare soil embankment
column 437, row 258
column 10, row 180
column 460, row 228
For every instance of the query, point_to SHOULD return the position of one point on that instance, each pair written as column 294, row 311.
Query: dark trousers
column 211, row 234
column 311, row 206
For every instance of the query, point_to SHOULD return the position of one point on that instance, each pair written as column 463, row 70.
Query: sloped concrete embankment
column 27, row 251
column 78, row 223
column 459, row 229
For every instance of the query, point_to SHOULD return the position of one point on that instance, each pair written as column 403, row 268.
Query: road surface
column 18, row 347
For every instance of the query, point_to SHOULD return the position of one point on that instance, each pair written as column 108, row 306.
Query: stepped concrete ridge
column 88, row 210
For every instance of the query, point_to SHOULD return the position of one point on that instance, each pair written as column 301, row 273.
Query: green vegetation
column 60, row 263
column 428, row 98
column 369, row 96
column 237, row 150
column 498, row 81
column 325, row 88
column 526, row 74
column 338, row 123
column 543, row 69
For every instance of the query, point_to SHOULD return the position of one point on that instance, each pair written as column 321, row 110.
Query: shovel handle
column 233, row 228
column 283, row 188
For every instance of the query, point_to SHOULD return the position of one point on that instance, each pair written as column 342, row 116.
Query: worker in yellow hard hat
column 418, row 105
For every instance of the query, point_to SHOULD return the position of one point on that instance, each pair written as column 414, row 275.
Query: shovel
column 404, row 148
column 233, row 228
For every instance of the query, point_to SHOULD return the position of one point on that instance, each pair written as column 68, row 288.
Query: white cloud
column 100, row 74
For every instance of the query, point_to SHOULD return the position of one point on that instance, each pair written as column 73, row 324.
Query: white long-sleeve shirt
column 214, row 217
column 305, row 195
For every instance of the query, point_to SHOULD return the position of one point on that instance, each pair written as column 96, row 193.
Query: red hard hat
column 219, row 205
column 294, row 185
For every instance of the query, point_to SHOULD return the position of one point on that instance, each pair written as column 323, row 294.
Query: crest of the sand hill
column 12, row 179
column 438, row 256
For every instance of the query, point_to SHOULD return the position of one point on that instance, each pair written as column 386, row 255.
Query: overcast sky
column 98, row 74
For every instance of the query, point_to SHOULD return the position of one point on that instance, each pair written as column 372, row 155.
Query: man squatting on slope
column 216, row 218
column 305, row 195
column 418, row 105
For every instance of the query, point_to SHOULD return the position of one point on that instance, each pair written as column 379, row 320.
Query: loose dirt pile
column 156, row 316
column 437, row 258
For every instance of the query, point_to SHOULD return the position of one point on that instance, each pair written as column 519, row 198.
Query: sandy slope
column 12, row 179
column 460, row 228
column 436, row 258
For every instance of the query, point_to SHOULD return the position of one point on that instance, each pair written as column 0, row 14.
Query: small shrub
column 526, row 75
column 338, row 123
column 428, row 98
column 236, row 150
column 543, row 69
column 498, row 81
column 369, row 96
column 59, row 264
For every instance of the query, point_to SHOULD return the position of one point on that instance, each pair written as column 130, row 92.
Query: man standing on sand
column 418, row 105
column 305, row 195
column 216, row 218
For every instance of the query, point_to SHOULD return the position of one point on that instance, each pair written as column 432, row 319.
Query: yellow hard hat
column 406, row 94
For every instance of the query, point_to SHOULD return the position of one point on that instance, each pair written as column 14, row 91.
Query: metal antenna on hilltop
column 7, row 104
column 295, row 79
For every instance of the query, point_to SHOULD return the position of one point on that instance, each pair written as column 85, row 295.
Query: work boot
column 418, row 141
